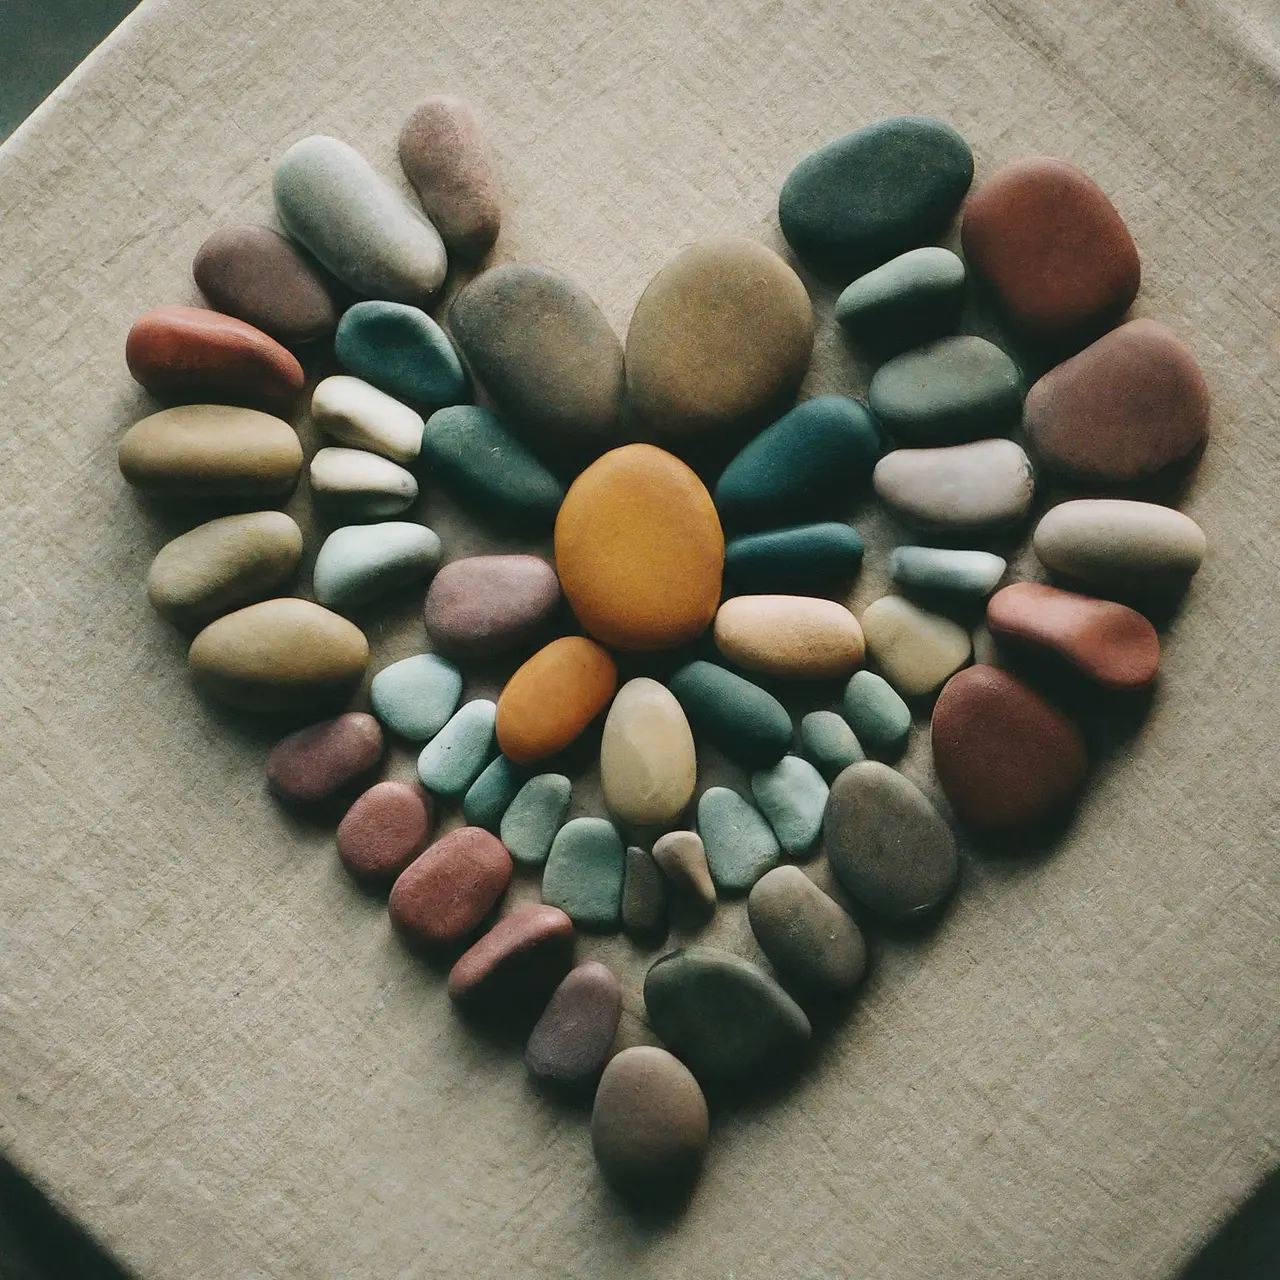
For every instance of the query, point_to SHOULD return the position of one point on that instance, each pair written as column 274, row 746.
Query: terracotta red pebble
column 444, row 895
column 384, row 830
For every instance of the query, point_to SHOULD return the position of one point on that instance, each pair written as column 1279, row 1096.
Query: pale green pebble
column 829, row 742
column 974, row 573
column 584, row 873
column 877, row 714
column 359, row 562
column 534, row 816
column 416, row 696
column 909, row 300
column 792, row 796
column 453, row 759
column 492, row 792
column 739, row 842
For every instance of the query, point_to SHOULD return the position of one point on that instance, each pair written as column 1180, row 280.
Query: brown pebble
column 517, row 964
column 446, row 892
column 484, row 605
column 317, row 762
column 571, row 1042
column 384, row 830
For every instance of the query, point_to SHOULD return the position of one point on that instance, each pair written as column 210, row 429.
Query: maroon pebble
column 384, row 830
column 519, row 962
column 316, row 763
column 484, row 605
column 571, row 1043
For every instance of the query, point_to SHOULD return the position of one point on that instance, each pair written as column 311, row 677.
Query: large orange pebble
column 639, row 550
column 552, row 698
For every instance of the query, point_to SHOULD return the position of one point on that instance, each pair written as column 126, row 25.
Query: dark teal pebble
column 401, row 350
column 789, row 561
column 746, row 723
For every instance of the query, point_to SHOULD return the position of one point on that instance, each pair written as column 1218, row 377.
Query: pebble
column 647, row 763
column 571, row 1042
column 792, row 796
column 917, row 651
column 724, row 1016
column 912, row 299
column 808, row 462
column 1005, row 757
column 829, row 743
column 353, row 484
column 553, row 697
column 639, row 550
column 384, row 830
column 211, row 451
column 682, row 858
column 455, row 757
column 806, row 935
column 316, row 763
column 416, row 696
column 962, row 488
column 749, row 725
column 332, row 201
column 535, row 814
column 1129, row 409
column 739, row 843
column 947, row 392
column 809, row 555
column 1111, row 644
column 863, row 198
column 792, row 637
column 887, row 845
column 489, row 796
column 354, row 413
column 402, row 350
column 279, row 655
column 485, row 605
column 258, row 276
column 222, row 565
column 517, row 964
column 718, row 342
column 444, row 895
column 644, row 897
column 945, row 569
column 544, row 352
column 444, row 156
column 361, row 562
column 584, row 873
column 477, row 455
column 649, row 1125
column 876, row 712
column 1051, row 248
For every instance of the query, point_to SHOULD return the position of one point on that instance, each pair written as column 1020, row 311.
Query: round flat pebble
column 223, row 565
column 863, row 198
column 682, row 858
column 877, row 714
column 639, row 550
column 384, row 831
column 489, row 796
column 718, row 343
column 792, row 637
column 746, row 723
column 910, row 300
column 444, row 895
column 402, row 350
column 416, row 696
column 484, row 605
column 792, row 796
column 647, row 761
column 361, row 562
column 315, row 763
column 739, row 842
column 584, row 873
column 516, row 965
column 570, row 1044
column 644, row 897
column 258, row 276
column 353, row 484
column 808, row 555
column 829, row 743
column 917, row 651
column 1132, row 407
column 455, row 757
column 536, row 812
column 1005, row 757
column 961, row 488
column 331, row 200
column 553, row 697
column 946, row 569
column 887, row 845
column 354, row 413
column 1052, row 249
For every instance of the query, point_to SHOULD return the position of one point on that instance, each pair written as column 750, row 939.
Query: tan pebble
column 647, row 761
column 683, row 860
column 917, row 651
column 795, row 637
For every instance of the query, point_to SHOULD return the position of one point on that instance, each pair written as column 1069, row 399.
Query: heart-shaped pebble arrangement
column 707, row 631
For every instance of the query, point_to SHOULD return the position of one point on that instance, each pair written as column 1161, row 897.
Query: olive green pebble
column 584, row 873
column 453, row 759
column 910, row 300
column 746, row 723
column 644, row 897
column 787, row 561
column 738, row 840
column 534, row 816
column 492, row 792
column 792, row 796
column 360, row 562
column 829, row 742
column 877, row 714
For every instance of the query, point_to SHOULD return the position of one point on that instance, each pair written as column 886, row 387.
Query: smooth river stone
column 361, row 562
column 1131, row 408
column 639, row 550
column 553, row 697
column 647, row 763
column 416, row 696
column 353, row 484
column 402, row 350
column 807, row 463
column 962, row 488
column 455, row 757
column 887, row 845
column 570, row 1044
column 682, row 858
column 792, row 637
column 1052, row 249
column 792, row 796
column 739, row 842
column 917, row 651
column 1111, row 644
column 489, row 796
column 332, row 201
column 746, row 723
column 536, row 812
column 223, row 565
column 475, row 454
column 863, row 198
column 948, row 392
column 444, row 895
column 258, row 276
column 644, row 897
column 806, row 935
column 790, row 560
column 877, row 714
column 946, row 569
column 211, row 451
column 584, row 872
column 718, row 343
column 279, row 655
column 724, row 1016
column 315, row 763
column 384, row 830
column 829, row 742
column 912, row 299
column 354, row 413
column 542, row 349
column 444, row 156
column 516, row 966
column 484, row 605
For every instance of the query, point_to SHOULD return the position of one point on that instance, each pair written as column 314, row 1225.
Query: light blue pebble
column 359, row 562
column 489, row 795
column 739, row 842
column 584, row 873
column 878, row 715
column 792, row 796
column 827, row 740
column 945, row 569
column 534, row 816
column 401, row 350
column 453, row 759
column 416, row 696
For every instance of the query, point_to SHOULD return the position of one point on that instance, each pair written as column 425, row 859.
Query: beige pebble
column 359, row 485
column 683, row 860
column 917, row 651
column 985, row 484
column 795, row 637
column 647, row 763
column 359, row 415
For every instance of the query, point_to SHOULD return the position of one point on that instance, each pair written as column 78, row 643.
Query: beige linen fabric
column 212, row 1048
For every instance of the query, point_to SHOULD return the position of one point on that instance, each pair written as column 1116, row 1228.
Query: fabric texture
column 213, row 1050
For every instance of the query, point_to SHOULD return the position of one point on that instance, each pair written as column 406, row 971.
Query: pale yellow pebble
column 916, row 651
column 647, row 763
column 795, row 637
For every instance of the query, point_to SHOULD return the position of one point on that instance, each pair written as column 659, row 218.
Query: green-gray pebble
column 584, row 873
column 644, row 897
column 416, row 696
column 746, row 723
column 829, row 742
column 361, row 562
column 788, row 561
column 453, row 759
column 738, row 840
column 492, row 792
column 912, row 299
column 792, row 796
column 970, row 573
column 876, row 712
column 402, row 350
column 534, row 816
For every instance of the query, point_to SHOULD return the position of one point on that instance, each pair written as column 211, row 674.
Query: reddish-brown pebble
column 384, row 830
column 519, row 961
column 317, row 762
column 445, row 893
column 571, row 1043
column 1006, row 759
column 484, row 605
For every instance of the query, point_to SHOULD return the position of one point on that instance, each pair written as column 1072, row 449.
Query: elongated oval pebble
column 946, row 569
column 570, row 1044
column 359, row 415
column 416, row 696
column 488, row 797
column 360, row 562
column 739, row 843
column 789, row 560
column 584, row 872
column 647, row 761
column 808, row 937
column 682, row 858
column 384, row 831
column 514, row 968
column 829, row 742
column 454, row 758
column 402, row 350
column 446, row 892
column 317, row 762
column 910, row 300
column 536, row 812
column 644, row 897
column 792, row 796
column 353, row 484
column 746, row 723
column 877, row 713
column 793, row 637
column 917, row 651
column 483, row 605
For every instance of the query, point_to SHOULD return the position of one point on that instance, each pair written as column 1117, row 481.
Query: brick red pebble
column 520, row 960
column 315, row 763
column 384, row 830
column 572, row 1040
column 483, row 605
column 444, row 895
